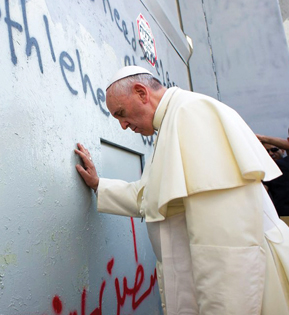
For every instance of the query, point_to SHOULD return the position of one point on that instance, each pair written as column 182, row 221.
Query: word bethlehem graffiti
column 69, row 63
column 135, row 291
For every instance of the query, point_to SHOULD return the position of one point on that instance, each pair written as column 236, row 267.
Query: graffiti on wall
column 69, row 63
column 163, row 75
column 134, row 293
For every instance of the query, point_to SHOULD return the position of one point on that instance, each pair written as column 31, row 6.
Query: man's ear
column 142, row 92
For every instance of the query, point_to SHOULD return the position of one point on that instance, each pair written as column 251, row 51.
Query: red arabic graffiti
column 134, row 240
column 139, row 278
column 134, row 292
column 57, row 305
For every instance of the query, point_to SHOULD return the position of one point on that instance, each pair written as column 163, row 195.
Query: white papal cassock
column 222, row 248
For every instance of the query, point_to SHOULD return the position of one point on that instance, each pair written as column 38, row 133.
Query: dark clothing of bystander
column 278, row 188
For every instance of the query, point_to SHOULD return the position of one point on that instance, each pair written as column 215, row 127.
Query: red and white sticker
column 146, row 40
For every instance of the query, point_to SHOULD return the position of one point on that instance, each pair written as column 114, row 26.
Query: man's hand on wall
column 87, row 171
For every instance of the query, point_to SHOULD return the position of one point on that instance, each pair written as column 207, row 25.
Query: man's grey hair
column 125, row 85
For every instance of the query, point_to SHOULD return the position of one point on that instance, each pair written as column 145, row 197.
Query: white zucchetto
column 127, row 72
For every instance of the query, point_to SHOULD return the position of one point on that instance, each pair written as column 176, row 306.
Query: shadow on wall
column 284, row 6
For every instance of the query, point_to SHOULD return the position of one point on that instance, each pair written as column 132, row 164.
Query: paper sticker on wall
column 146, row 40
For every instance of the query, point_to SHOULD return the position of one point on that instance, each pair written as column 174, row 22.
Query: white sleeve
column 118, row 197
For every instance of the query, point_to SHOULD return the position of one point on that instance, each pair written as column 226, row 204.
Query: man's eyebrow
column 117, row 112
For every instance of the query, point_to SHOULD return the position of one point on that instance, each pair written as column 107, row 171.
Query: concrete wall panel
column 201, row 67
column 57, row 254
column 249, row 58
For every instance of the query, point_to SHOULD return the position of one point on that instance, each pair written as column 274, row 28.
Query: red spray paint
column 134, row 291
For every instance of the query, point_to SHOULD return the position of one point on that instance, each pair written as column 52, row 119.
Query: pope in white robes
column 216, row 235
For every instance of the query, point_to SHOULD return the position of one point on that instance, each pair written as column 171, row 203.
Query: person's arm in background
column 278, row 142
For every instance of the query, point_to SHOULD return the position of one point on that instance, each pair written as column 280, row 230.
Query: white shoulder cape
column 202, row 145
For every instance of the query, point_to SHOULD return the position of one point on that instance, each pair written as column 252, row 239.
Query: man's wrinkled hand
column 87, row 171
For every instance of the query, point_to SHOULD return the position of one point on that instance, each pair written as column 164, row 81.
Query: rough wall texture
column 57, row 254
column 241, row 57
column 284, row 7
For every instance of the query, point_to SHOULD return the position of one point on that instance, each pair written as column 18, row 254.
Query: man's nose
column 124, row 125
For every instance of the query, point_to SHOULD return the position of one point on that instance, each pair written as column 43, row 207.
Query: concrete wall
column 241, row 57
column 57, row 254
column 284, row 7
